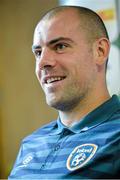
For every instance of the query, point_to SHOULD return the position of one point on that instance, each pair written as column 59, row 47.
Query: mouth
column 50, row 80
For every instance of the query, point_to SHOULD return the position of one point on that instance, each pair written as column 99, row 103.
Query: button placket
column 55, row 150
column 42, row 166
column 57, row 147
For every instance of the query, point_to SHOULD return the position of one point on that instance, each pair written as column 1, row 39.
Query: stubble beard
column 73, row 95
column 68, row 100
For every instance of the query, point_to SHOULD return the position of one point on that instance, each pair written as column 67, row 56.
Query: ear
column 101, row 50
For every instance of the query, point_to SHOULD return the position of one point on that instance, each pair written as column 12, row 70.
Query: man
column 71, row 48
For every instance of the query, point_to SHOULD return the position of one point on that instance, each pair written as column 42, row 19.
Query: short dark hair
column 90, row 21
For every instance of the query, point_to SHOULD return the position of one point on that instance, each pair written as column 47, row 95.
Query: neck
column 71, row 117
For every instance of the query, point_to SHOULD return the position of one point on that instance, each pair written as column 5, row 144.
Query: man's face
column 65, row 65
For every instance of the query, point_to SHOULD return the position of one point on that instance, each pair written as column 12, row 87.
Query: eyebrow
column 59, row 39
column 53, row 41
column 35, row 47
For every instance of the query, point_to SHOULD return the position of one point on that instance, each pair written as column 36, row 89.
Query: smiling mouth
column 54, row 79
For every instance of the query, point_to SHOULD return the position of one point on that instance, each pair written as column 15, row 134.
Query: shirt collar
column 92, row 119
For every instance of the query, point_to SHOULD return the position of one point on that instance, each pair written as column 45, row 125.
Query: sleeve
column 117, row 157
column 17, row 165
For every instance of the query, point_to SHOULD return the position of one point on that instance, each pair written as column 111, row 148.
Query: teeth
column 50, row 80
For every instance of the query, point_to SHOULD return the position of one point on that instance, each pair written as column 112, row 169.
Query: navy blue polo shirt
column 88, row 150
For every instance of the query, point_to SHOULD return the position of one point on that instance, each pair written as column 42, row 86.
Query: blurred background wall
column 22, row 104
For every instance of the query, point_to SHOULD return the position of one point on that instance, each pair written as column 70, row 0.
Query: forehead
column 63, row 24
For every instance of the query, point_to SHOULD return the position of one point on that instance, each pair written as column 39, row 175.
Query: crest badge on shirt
column 81, row 155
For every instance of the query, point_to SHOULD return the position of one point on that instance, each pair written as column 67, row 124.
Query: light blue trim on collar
column 92, row 119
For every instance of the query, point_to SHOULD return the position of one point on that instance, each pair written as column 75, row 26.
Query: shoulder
column 112, row 111
column 115, row 117
column 44, row 130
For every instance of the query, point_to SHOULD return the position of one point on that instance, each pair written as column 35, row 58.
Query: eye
column 60, row 47
column 37, row 53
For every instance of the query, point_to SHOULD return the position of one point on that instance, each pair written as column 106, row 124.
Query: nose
column 46, row 59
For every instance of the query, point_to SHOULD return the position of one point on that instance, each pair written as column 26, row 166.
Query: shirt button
column 42, row 166
column 65, row 133
column 57, row 147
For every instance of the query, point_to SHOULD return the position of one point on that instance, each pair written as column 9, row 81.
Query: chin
column 54, row 104
column 60, row 105
column 51, row 101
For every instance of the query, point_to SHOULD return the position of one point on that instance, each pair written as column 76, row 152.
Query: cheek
column 83, row 69
column 37, row 72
